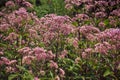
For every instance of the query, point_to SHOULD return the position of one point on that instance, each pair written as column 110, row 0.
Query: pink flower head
column 101, row 24
column 75, row 43
column 53, row 64
column 82, row 17
column 57, row 78
column 61, row 72
column 116, row 12
column 25, row 51
column 1, row 53
column 5, row 60
column 89, row 7
column 10, row 69
column 73, row 2
column 68, row 6
column 38, row 50
column 48, row 36
column 27, row 4
column 84, row 55
column 27, row 59
column 63, row 53
column 40, row 53
column 87, row 29
column 101, row 3
column 42, row 72
column 89, row 50
column 77, row 2
column 36, row 78
column 100, row 15
column 112, row 3
column 33, row 33
column 18, row 20
column 77, row 60
column 91, row 37
column 41, row 56
column 1, row 13
column 111, row 34
column 12, row 36
column 12, row 62
column 22, row 12
column 9, row 4
column 4, row 27
column 50, row 55
column 103, row 47
column 87, row 1
column 66, row 29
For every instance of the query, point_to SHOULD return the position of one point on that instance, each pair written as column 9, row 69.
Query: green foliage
column 24, row 75
column 12, row 76
column 50, row 6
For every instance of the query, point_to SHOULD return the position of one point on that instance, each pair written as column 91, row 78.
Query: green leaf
column 87, row 22
column 106, row 22
column 51, row 75
column 25, row 75
column 12, row 76
column 3, row 45
column 107, row 72
column 21, row 68
column 75, row 23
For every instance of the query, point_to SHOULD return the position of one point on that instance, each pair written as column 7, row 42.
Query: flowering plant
column 79, row 46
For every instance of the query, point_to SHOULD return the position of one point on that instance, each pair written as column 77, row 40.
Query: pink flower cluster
column 10, row 64
column 89, row 31
column 7, row 61
column 70, row 3
column 36, row 53
column 53, row 64
column 63, row 54
column 111, row 35
column 81, row 17
column 53, row 26
column 10, row 4
column 24, row 3
column 73, row 41
column 100, row 9
column 103, row 48
column 40, row 53
column 12, row 37
column 43, row 45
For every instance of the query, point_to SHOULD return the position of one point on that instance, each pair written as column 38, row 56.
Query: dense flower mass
column 81, row 44
column 103, row 47
column 73, row 2
column 10, row 4
column 53, row 26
